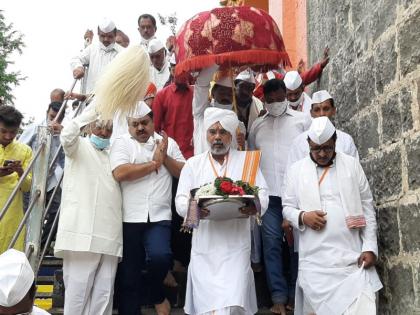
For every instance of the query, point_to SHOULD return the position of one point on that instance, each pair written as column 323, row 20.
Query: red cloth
column 230, row 36
column 172, row 113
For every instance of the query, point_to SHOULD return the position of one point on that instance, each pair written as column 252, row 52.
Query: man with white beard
column 220, row 278
column 221, row 97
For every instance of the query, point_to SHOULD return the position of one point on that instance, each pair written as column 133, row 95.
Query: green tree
column 11, row 41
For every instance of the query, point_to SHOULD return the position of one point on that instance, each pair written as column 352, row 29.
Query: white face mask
column 276, row 108
column 297, row 102
column 221, row 106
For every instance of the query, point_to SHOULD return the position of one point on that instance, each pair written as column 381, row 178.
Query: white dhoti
column 89, row 283
column 220, row 278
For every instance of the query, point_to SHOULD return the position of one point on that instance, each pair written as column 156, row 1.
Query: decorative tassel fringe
column 266, row 59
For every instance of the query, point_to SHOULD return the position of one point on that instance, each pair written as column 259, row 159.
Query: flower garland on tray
column 222, row 186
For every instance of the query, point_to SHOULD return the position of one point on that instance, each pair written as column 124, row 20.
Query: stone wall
column 374, row 76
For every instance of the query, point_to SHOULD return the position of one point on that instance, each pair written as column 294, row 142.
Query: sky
column 53, row 33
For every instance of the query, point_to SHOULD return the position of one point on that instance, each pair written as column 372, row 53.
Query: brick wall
column 374, row 76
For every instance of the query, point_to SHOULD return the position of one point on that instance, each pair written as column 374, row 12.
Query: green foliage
column 11, row 41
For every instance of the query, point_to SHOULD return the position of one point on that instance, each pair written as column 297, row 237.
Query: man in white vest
column 220, row 278
column 89, row 236
column 328, row 200
column 17, row 285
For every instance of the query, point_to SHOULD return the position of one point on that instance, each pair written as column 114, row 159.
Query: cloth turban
column 106, row 25
column 16, row 277
column 321, row 130
column 292, row 80
column 227, row 118
column 320, row 96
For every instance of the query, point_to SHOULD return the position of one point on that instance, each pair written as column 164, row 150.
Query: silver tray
column 225, row 208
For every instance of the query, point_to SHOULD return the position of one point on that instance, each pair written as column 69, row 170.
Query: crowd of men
column 128, row 181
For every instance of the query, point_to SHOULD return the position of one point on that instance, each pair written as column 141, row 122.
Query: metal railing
column 36, row 213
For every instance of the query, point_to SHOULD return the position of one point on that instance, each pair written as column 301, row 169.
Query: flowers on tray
column 224, row 186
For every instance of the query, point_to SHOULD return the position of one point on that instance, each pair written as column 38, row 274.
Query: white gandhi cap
column 321, row 130
column 320, row 96
column 106, row 25
column 16, row 277
column 154, row 46
column 292, row 80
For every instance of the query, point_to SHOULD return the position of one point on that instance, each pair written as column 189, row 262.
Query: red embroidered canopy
column 230, row 36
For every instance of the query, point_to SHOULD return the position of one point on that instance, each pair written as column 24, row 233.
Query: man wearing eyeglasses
column 322, row 105
column 328, row 201
column 17, row 286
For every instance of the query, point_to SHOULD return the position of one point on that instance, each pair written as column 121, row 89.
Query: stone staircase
column 50, row 293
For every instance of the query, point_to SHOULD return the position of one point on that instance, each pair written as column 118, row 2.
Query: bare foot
column 278, row 309
column 163, row 308
column 169, row 280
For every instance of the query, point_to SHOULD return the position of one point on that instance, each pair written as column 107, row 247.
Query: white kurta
column 329, row 278
column 97, row 58
column 306, row 104
column 219, row 274
column 90, row 216
column 160, row 77
column 273, row 136
column 300, row 147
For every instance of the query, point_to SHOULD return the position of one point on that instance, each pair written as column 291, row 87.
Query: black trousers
column 146, row 246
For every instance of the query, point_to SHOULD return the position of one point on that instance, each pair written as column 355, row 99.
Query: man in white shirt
column 159, row 69
column 96, row 56
column 17, row 285
column 272, row 134
column 322, row 105
column 220, row 278
column 147, row 29
column 89, row 235
column 295, row 92
column 328, row 200
column 144, row 163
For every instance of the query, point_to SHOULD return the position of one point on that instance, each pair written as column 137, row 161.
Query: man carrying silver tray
column 220, row 278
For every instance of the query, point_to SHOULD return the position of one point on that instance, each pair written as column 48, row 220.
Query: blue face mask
column 98, row 142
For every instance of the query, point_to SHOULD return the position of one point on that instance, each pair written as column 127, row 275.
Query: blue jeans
column 272, row 236
column 145, row 246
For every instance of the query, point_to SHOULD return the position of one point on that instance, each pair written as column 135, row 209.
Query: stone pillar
column 374, row 77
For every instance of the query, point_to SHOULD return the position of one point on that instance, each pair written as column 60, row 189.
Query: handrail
column 47, row 243
column 52, row 197
column 20, row 182
column 25, row 217
column 63, row 106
